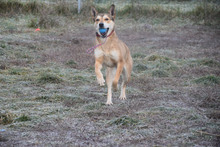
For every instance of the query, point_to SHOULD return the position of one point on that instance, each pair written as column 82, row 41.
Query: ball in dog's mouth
column 103, row 31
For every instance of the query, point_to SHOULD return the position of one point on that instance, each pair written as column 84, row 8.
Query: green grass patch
column 68, row 101
column 49, row 78
column 166, row 65
column 3, row 80
column 208, row 80
column 94, row 106
column 23, row 118
column 192, row 117
column 53, row 98
column 17, row 71
column 3, row 66
column 204, row 62
column 33, row 23
column 138, row 55
column 209, row 62
column 161, row 66
column 71, row 63
column 157, row 57
column 78, row 78
column 160, row 73
column 140, row 67
column 6, row 118
column 125, row 121
column 74, row 102
column 3, row 45
column 43, row 98
column 44, row 21
column 1, row 52
column 207, row 12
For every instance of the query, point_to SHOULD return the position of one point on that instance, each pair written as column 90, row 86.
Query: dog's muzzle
column 103, row 32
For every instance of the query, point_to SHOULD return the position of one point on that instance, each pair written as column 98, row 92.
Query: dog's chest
column 109, row 58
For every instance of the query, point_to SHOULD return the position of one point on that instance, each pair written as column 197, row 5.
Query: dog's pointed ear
column 94, row 13
column 112, row 11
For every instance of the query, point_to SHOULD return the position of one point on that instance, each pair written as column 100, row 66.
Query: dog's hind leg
column 123, row 85
column 110, row 74
column 126, row 75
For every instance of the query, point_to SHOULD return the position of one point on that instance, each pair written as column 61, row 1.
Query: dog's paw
column 109, row 103
column 115, row 86
column 101, row 81
column 123, row 97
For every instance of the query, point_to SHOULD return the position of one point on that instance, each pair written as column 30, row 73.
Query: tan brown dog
column 113, row 53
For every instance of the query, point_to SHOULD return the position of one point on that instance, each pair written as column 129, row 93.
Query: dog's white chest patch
column 110, row 59
column 114, row 55
column 98, row 53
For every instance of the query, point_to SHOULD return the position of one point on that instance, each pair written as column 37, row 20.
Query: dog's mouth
column 103, row 31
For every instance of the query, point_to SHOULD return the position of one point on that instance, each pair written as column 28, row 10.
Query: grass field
column 48, row 90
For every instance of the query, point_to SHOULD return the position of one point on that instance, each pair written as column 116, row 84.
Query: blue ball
column 102, row 30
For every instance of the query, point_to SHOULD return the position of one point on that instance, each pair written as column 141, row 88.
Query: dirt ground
column 173, row 98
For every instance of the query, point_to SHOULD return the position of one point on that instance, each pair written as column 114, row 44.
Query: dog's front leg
column 117, row 75
column 99, row 75
column 109, row 79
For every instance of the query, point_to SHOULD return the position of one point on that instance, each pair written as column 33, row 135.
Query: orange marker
column 37, row 30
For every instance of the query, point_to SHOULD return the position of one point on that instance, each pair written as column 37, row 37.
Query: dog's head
column 104, row 22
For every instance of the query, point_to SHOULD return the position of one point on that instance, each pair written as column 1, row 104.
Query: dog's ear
column 94, row 13
column 112, row 11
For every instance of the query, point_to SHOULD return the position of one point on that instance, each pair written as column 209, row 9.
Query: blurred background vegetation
column 205, row 12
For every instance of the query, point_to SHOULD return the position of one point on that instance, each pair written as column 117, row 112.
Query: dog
column 113, row 53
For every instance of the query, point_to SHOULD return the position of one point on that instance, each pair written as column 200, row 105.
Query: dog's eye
column 106, row 19
column 97, row 20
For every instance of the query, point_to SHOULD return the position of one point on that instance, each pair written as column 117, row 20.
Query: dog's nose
column 101, row 25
